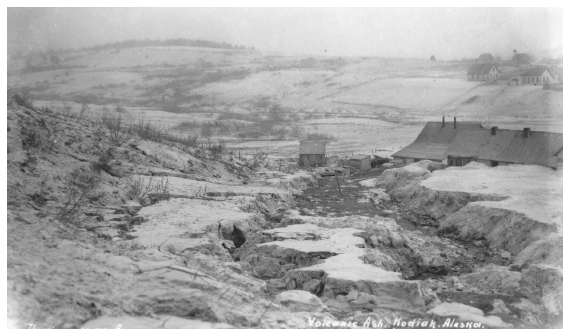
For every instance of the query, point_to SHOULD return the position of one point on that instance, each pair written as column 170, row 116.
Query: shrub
column 119, row 133
column 22, row 98
column 320, row 136
column 80, row 185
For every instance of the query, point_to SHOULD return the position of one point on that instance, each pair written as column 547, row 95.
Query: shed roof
column 535, row 71
column 507, row 146
column 360, row 157
column 313, row 147
column 483, row 68
column 434, row 140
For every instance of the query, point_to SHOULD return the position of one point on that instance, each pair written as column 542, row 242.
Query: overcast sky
column 447, row 33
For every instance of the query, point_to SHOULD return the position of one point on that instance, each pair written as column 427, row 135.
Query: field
column 257, row 100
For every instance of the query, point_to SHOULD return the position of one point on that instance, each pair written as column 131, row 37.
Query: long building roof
column 507, row 146
column 434, row 140
column 481, row 68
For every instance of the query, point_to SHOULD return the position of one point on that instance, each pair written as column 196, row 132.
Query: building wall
column 310, row 160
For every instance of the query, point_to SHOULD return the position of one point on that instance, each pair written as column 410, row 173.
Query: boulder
column 543, row 283
column 300, row 300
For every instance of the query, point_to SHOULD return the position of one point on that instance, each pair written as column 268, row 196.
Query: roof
column 521, row 57
column 486, row 57
column 507, row 146
column 434, row 140
column 313, row 147
column 508, row 76
column 360, row 157
column 483, row 68
column 535, row 71
column 555, row 71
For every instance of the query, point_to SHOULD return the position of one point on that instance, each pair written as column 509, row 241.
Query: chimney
column 443, row 122
column 494, row 130
column 526, row 132
column 454, row 122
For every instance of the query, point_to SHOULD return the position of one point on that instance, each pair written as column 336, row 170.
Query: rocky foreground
column 172, row 238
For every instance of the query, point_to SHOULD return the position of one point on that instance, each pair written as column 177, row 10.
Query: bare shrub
column 119, row 133
column 21, row 98
column 161, row 189
column 320, row 136
column 137, row 189
column 80, row 185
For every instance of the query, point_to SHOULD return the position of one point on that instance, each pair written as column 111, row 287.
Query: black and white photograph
column 315, row 166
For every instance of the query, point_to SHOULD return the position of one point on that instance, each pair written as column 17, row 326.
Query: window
column 494, row 163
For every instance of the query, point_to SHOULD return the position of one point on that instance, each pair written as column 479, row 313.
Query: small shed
column 312, row 153
column 360, row 163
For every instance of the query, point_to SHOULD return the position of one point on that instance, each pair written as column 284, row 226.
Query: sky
column 447, row 33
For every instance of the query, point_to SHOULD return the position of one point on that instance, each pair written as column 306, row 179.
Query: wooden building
column 521, row 60
column 495, row 147
column 433, row 142
column 537, row 76
column 312, row 153
column 483, row 72
column 360, row 163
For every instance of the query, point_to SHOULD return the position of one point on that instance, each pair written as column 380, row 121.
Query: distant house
column 360, row 163
column 482, row 72
column 556, row 73
column 312, row 153
column 510, row 78
column 433, row 141
column 495, row 147
column 537, row 76
column 485, row 58
column 521, row 60
column 432, row 58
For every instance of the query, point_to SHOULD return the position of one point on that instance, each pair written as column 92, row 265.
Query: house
column 312, row 153
column 537, row 76
column 521, row 60
column 497, row 147
column 433, row 141
column 483, row 72
column 485, row 58
column 360, row 163
column 511, row 79
column 556, row 73
column 432, row 58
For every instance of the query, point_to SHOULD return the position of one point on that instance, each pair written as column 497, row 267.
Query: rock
column 506, row 255
column 499, row 307
column 396, row 240
column 136, row 220
column 312, row 286
column 468, row 314
column 543, row 284
column 144, row 322
column 299, row 301
column 493, row 279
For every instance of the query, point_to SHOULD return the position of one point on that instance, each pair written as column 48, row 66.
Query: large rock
column 467, row 314
column 543, row 284
column 300, row 300
column 493, row 279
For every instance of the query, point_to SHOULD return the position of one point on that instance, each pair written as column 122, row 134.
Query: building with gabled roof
column 537, row 76
column 433, row 141
column 482, row 72
column 497, row 147
column 521, row 59
column 360, row 163
column 312, row 153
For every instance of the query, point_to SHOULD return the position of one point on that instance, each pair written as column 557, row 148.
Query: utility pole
column 337, row 182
